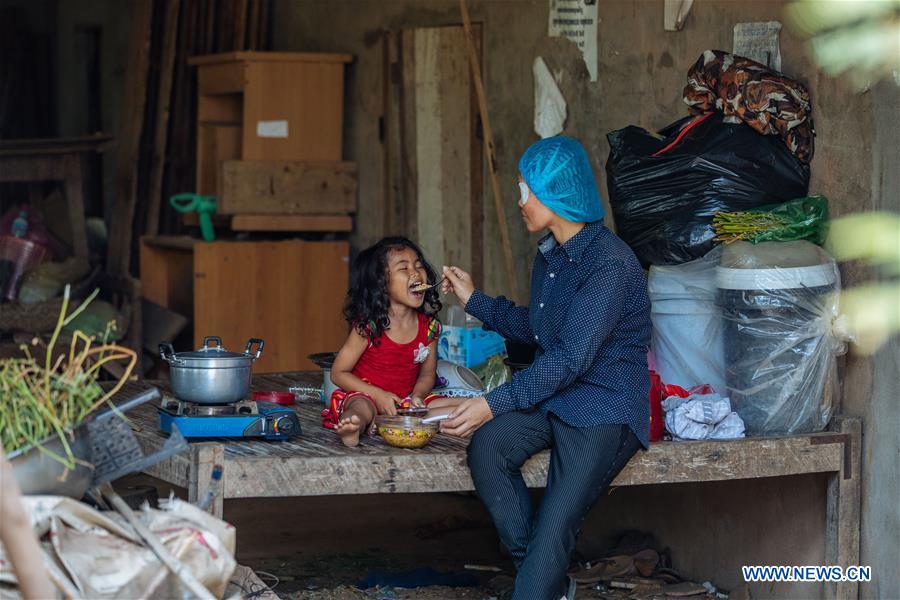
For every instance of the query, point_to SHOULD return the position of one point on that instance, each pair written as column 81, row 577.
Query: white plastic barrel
column 687, row 327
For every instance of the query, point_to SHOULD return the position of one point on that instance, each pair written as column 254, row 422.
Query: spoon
column 435, row 418
column 422, row 287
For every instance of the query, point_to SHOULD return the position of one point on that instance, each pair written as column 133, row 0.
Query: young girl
column 391, row 352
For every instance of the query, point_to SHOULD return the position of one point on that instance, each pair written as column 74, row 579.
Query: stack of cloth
column 702, row 417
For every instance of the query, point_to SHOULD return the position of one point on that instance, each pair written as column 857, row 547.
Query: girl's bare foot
column 349, row 428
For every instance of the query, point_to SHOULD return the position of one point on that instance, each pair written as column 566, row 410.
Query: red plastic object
column 282, row 398
column 657, row 395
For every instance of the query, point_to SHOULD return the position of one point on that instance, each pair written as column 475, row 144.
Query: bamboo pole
column 489, row 152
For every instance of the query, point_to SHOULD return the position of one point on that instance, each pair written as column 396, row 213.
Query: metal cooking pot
column 211, row 375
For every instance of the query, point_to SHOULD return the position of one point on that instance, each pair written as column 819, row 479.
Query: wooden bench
column 317, row 464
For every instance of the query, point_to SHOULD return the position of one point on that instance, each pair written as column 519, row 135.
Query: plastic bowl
column 405, row 432
column 282, row 398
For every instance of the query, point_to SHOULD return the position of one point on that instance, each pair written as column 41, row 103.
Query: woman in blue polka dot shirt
column 585, row 397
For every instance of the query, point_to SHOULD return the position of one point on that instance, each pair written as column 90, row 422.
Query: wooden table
column 317, row 464
column 35, row 161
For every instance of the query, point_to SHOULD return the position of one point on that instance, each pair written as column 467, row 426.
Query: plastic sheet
column 779, row 301
column 665, row 189
column 493, row 373
column 100, row 556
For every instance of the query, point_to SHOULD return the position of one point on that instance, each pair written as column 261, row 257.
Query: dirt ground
column 356, row 547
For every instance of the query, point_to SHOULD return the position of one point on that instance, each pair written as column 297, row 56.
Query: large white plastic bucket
column 687, row 326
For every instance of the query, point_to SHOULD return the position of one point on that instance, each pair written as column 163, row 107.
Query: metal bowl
column 38, row 473
column 405, row 432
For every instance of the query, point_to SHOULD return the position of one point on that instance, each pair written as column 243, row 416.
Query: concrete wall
column 641, row 74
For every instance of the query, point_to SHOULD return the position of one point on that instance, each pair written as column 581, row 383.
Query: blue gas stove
column 244, row 419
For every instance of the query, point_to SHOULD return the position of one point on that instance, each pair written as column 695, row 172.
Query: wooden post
column 489, row 153
column 75, row 202
column 842, row 512
column 132, row 125
column 204, row 456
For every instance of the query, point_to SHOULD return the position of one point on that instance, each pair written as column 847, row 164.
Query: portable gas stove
column 243, row 419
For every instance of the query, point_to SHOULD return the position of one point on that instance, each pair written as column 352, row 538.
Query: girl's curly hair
column 367, row 304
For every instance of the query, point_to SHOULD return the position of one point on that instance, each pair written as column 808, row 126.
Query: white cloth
column 702, row 417
column 549, row 104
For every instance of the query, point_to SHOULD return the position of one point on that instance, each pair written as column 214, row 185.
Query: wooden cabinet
column 289, row 293
column 267, row 106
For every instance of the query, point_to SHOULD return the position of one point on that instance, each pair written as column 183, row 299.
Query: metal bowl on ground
column 405, row 432
column 211, row 375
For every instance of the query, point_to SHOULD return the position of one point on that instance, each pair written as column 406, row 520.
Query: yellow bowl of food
column 405, row 432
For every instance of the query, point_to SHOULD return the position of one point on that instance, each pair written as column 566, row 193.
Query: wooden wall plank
column 454, row 88
column 437, row 131
column 429, row 145
column 163, row 99
column 407, row 127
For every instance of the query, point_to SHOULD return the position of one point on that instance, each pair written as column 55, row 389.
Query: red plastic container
column 282, row 398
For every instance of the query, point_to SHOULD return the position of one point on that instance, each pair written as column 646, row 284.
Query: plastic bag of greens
column 800, row 219
column 493, row 372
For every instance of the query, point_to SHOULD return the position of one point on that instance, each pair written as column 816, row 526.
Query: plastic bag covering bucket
column 688, row 330
column 780, row 362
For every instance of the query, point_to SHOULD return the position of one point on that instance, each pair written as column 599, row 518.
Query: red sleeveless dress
column 388, row 365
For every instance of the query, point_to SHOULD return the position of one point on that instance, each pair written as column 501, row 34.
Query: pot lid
column 212, row 350
column 217, row 353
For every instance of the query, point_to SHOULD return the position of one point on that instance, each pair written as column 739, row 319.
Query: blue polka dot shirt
column 589, row 318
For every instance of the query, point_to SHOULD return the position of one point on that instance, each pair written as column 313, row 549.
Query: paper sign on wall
column 759, row 42
column 272, row 129
column 576, row 20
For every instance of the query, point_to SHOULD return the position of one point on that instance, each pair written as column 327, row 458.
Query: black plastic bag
column 664, row 189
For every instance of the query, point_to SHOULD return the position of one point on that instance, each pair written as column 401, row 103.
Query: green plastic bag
column 800, row 219
column 493, row 372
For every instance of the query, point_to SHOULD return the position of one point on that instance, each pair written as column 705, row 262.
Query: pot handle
column 212, row 338
column 167, row 353
column 259, row 349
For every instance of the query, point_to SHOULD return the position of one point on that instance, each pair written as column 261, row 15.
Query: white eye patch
column 524, row 193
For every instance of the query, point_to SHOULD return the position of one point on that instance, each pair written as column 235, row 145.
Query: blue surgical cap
column 559, row 174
